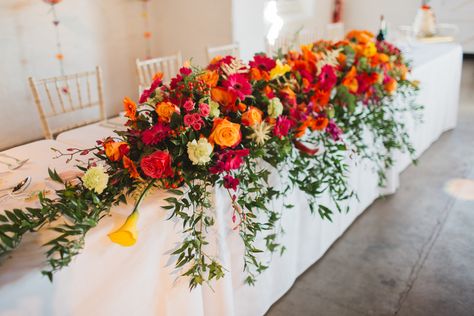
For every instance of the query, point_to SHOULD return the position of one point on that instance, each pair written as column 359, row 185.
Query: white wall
column 249, row 27
column 106, row 33
column 364, row 14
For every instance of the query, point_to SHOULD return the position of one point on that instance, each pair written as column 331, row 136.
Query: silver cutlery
column 11, row 157
column 18, row 189
column 14, row 166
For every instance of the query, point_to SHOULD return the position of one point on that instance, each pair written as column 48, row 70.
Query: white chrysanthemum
column 199, row 152
column 96, row 179
column 275, row 108
column 261, row 133
column 214, row 109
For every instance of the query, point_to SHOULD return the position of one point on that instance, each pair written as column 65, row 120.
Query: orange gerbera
column 320, row 99
column 130, row 166
column 158, row 75
column 350, row 80
column 210, row 78
column 319, row 123
column 130, row 108
column 215, row 60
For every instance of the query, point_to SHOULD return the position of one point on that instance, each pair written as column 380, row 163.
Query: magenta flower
column 334, row 130
column 282, row 127
column 327, row 78
column 156, row 134
column 229, row 160
column 262, row 62
column 238, row 85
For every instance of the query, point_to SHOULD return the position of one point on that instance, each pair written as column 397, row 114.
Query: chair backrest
column 224, row 50
column 147, row 69
column 286, row 42
column 335, row 31
column 68, row 101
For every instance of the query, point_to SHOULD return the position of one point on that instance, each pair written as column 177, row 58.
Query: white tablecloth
column 107, row 279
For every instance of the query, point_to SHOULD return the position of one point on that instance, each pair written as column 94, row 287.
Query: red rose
column 157, row 165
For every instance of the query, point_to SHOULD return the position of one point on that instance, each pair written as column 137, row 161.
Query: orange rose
column 165, row 110
column 225, row 133
column 252, row 116
column 115, row 150
column 130, row 166
column 390, row 86
column 130, row 108
column 210, row 78
column 361, row 37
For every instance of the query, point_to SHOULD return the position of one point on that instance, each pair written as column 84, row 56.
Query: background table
column 107, row 279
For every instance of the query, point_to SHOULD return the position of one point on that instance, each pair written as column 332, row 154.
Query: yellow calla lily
column 127, row 234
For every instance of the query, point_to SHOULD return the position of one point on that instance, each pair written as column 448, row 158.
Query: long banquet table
column 107, row 279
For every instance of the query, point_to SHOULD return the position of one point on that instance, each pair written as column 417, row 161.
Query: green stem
column 142, row 195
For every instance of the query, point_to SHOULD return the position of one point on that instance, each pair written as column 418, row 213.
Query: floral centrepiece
column 302, row 113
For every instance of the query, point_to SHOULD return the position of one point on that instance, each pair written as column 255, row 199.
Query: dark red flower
column 185, row 71
column 262, row 62
column 156, row 134
column 230, row 182
column 217, row 64
column 157, row 165
column 146, row 93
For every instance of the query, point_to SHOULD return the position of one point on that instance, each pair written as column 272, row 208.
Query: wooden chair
column 67, row 102
column 168, row 65
column 335, row 31
column 230, row 49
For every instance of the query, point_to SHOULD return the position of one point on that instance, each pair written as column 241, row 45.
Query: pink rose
column 204, row 109
column 188, row 105
column 189, row 119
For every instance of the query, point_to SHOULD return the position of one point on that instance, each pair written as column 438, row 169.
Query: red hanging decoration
column 146, row 24
column 338, row 11
column 52, row 2
column 59, row 54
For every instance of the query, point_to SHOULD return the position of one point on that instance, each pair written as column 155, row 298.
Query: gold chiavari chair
column 224, row 50
column 286, row 42
column 168, row 65
column 69, row 101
